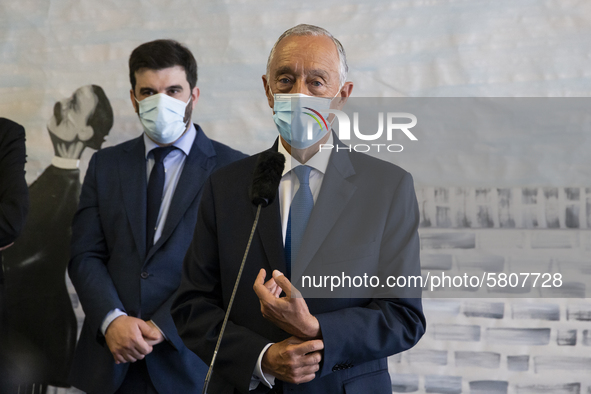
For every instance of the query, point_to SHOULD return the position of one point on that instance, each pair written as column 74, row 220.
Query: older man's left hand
column 290, row 313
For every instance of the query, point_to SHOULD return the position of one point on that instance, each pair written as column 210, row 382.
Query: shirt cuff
column 114, row 314
column 161, row 332
column 258, row 375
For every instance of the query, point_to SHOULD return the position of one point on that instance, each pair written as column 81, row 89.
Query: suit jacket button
column 144, row 275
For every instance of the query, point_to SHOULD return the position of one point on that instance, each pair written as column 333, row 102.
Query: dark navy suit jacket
column 358, row 333
column 110, row 269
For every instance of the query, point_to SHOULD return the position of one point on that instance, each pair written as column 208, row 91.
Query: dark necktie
column 299, row 214
column 155, row 188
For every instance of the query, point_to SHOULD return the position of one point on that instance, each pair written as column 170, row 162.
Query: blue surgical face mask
column 163, row 117
column 302, row 120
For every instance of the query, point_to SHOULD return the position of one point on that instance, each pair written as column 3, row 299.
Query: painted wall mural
column 37, row 301
column 486, row 200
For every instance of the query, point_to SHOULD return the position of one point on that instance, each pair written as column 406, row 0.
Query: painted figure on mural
column 38, row 307
column 14, row 205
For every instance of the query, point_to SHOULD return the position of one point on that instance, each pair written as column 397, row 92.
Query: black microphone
column 266, row 178
column 263, row 189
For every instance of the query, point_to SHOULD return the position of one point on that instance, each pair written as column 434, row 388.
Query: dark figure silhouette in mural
column 14, row 200
column 38, row 305
column 14, row 203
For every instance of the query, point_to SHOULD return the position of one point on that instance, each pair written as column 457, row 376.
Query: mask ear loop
column 333, row 115
column 270, row 91
column 138, row 103
column 272, row 95
column 187, row 123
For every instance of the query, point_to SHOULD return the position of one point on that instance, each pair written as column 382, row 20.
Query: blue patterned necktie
column 154, row 195
column 299, row 213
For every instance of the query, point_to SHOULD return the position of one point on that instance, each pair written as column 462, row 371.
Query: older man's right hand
column 126, row 337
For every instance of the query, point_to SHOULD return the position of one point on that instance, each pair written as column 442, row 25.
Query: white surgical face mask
column 163, row 117
column 302, row 120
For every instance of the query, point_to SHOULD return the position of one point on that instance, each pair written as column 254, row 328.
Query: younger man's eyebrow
column 177, row 87
column 146, row 90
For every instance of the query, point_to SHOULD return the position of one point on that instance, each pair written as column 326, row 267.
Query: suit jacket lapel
column 269, row 230
column 198, row 166
column 334, row 196
column 132, row 172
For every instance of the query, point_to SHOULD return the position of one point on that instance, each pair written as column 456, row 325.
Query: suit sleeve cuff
column 114, row 314
column 258, row 376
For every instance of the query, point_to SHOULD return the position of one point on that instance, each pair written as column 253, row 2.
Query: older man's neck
column 303, row 155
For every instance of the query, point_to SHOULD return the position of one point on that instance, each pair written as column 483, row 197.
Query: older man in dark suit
column 291, row 344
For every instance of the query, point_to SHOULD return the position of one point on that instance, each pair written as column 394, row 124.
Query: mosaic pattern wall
column 503, row 345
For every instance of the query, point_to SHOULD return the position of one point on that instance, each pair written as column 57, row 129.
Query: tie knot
column 303, row 174
column 161, row 153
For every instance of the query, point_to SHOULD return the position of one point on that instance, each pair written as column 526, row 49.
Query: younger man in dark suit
column 137, row 212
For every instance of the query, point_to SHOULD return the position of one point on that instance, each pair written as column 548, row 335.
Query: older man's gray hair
column 310, row 30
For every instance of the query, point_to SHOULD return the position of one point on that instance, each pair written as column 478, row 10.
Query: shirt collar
column 184, row 143
column 319, row 161
column 64, row 163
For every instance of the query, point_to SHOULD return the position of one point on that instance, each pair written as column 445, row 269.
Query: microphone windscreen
column 266, row 178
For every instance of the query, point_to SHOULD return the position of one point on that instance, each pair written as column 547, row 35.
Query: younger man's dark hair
column 160, row 54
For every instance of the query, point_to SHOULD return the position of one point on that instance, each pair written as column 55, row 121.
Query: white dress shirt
column 288, row 187
column 174, row 163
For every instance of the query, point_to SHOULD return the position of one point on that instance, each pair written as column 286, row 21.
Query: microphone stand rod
column 217, row 345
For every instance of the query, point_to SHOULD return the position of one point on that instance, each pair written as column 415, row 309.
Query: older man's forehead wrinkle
column 318, row 72
column 307, row 47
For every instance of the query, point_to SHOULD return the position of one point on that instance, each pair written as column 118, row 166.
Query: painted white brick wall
column 502, row 345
